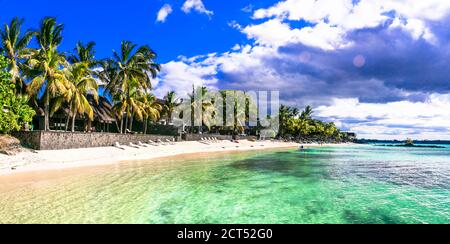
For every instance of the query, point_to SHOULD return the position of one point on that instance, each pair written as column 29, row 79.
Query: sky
column 380, row 68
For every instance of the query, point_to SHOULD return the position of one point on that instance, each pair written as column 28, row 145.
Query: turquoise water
column 358, row 184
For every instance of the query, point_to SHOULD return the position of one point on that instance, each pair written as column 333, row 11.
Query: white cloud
column 394, row 120
column 248, row 8
column 338, row 17
column 179, row 76
column 196, row 5
column 163, row 13
column 276, row 33
column 416, row 28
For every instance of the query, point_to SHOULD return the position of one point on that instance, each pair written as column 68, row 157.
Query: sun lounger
column 170, row 142
column 161, row 142
column 142, row 144
column 117, row 145
column 153, row 143
column 133, row 145
column 204, row 141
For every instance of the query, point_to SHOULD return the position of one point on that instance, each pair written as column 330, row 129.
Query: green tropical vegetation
column 301, row 126
column 14, row 110
column 69, row 85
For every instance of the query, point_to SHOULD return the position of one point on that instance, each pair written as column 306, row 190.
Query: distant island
column 410, row 143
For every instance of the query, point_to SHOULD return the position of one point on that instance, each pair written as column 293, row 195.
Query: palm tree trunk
column 68, row 118
column 46, row 113
column 126, row 122
column 73, row 122
column 121, row 124
column 67, row 122
column 145, row 126
column 131, row 123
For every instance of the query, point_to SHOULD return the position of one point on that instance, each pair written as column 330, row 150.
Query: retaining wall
column 49, row 140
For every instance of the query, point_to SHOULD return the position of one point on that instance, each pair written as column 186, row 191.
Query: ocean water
column 357, row 184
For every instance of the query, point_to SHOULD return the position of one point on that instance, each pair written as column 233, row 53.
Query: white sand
column 74, row 158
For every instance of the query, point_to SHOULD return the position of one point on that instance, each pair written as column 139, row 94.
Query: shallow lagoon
column 355, row 184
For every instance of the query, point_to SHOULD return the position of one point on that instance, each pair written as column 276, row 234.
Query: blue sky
column 109, row 22
column 380, row 68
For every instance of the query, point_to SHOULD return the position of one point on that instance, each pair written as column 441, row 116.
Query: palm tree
column 284, row 114
column 170, row 103
column 108, row 75
column 205, row 105
column 151, row 109
column 45, row 65
column 14, row 44
column 307, row 113
column 84, row 53
column 135, row 70
column 82, row 84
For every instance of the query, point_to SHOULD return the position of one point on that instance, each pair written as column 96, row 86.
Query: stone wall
column 197, row 137
column 30, row 139
column 41, row 140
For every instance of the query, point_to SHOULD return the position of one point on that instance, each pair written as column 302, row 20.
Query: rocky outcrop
column 10, row 145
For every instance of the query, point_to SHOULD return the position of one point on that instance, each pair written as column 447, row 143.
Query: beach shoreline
column 90, row 157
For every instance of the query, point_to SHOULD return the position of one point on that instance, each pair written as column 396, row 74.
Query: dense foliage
column 14, row 109
column 301, row 126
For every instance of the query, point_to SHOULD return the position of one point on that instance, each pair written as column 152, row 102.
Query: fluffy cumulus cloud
column 163, row 13
column 196, row 5
column 182, row 74
column 378, row 67
column 393, row 120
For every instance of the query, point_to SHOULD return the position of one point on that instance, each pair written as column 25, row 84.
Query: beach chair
column 170, row 142
column 161, row 142
column 133, row 145
column 142, row 144
column 117, row 145
column 204, row 141
column 153, row 143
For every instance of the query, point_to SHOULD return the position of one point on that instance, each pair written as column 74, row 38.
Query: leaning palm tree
column 45, row 65
column 14, row 44
column 170, row 103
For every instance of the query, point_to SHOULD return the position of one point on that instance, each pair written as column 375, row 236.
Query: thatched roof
column 102, row 110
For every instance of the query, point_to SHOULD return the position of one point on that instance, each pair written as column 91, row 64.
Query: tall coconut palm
column 81, row 85
column 151, row 109
column 14, row 44
column 107, row 75
column 136, row 68
column 206, row 106
column 45, row 65
column 84, row 53
column 131, row 103
column 170, row 103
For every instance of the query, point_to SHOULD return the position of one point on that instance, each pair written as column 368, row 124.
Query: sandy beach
column 75, row 158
